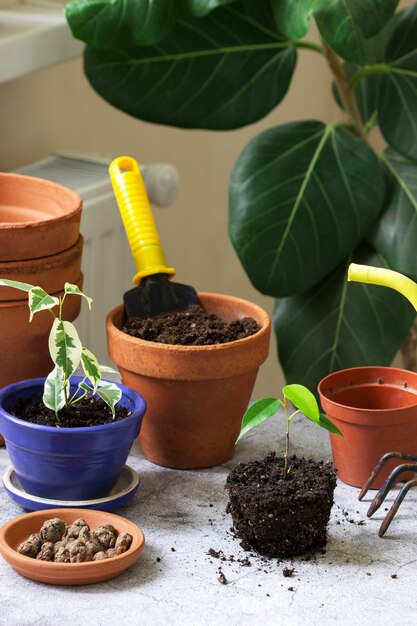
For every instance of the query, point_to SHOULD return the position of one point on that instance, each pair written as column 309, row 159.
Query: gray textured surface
column 350, row 584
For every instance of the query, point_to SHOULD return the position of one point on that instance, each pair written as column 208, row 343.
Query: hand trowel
column 154, row 292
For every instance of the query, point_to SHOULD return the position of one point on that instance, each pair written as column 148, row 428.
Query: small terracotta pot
column 376, row 410
column 24, row 345
column 38, row 218
column 196, row 395
column 50, row 273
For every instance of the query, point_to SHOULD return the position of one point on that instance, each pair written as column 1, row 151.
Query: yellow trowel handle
column 137, row 217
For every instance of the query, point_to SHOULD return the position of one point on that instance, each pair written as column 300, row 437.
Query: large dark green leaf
column 203, row 7
column 338, row 325
column 220, row 72
column 292, row 18
column 122, row 24
column 346, row 24
column 397, row 112
column 395, row 232
column 302, row 195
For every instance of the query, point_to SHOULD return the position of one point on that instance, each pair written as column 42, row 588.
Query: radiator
column 107, row 263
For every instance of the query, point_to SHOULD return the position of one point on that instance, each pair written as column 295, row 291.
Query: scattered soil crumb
column 222, row 578
column 287, row 572
column 173, row 550
column 291, row 589
column 394, row 576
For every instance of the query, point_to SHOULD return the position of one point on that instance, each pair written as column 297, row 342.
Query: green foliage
column 301, row 399
column 306, row 197
column 67, row 352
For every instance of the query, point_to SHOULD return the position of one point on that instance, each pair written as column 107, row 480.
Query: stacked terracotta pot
column 40, row 243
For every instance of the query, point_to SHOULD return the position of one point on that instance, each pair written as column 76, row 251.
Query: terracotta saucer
column 18, row 530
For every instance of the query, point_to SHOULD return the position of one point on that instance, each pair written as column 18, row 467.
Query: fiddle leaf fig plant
column 67, row 353
column 295, row 399
column 308, row 197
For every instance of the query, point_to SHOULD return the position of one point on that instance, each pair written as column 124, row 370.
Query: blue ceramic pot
column 68, row 463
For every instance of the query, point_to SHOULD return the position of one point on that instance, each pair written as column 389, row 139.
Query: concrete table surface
column 359, row 579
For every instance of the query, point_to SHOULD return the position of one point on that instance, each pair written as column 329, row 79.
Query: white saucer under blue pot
column 121, row 494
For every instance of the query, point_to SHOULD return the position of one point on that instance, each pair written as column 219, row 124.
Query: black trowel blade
column 157, row 294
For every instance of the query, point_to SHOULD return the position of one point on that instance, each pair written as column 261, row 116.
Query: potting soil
column 88, row 412
column 277, row 516
column 191, row 327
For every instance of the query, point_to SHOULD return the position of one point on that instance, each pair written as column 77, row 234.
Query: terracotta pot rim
column 263, row 321
column 38, row 223
column 23, row 301
column 379, row 370
column 20, row 264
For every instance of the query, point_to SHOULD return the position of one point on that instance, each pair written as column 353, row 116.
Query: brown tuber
column 77, row 543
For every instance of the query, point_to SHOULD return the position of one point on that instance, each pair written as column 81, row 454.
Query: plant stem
column 308, row 45
column 347, row 95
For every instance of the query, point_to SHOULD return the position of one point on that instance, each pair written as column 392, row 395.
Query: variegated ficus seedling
column 67, row 353
column 296, row 399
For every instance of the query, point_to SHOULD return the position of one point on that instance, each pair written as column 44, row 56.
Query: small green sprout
column 296, row 399
column 67, row 353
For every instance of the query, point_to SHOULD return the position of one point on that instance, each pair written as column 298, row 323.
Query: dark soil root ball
column 280, row 517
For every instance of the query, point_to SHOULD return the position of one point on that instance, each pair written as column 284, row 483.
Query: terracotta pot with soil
column 376, row 408
column 196, row 394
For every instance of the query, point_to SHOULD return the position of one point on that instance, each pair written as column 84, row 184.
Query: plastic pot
column 196, row 395
column 376, row 410
column 68, row 463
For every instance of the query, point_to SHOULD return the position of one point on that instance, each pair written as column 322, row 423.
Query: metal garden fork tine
column 387, row 457
column 394, row 508
column 392, row 478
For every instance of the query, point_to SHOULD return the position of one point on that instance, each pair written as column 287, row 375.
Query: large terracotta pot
column 40, row 244
column 196, row 395
column 38, row 218
column 376, row 410
column 24, row 345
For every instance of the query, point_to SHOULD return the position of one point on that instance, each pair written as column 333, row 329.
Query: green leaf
column 110, row 394
column 337, row 325
column 325, row 423
column 70, row 289
column 346, row 24
column 39, row 300
column 65, row 347
column 53, row 393
column 301, row 196
column 203, row 7
column 292, row 18
column 4, row 282
column 397, row 111
column 91, row 367
column 221, row 72
column 122, row 24
column 257, row 413
column 303, row 400
column 394, row 234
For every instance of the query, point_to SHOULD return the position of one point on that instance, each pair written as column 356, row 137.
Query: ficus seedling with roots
column 67, row 353
column 296, row 399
